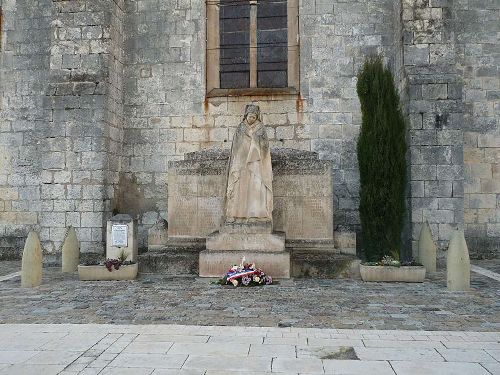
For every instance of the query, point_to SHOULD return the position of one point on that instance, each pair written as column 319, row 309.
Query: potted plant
column 381, row 152
column 391, row 270
column 111, row 269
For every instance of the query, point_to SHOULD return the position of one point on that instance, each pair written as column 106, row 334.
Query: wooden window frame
column 213, row 55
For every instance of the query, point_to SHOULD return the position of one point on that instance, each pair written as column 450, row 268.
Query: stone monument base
column 264, row 242
column 215, row 263
column 254, row 241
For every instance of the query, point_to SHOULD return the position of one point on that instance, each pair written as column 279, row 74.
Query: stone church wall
column 62, row 64
column 478, row 59
column 98, row 96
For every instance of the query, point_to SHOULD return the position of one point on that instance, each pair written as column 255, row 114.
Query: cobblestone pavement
column 156, row 299
column 89, row 349
column 9, row 266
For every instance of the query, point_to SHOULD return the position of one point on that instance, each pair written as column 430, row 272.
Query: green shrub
column 382, row 161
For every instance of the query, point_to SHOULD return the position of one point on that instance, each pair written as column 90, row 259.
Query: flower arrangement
column 245, row 275
column 116, row 263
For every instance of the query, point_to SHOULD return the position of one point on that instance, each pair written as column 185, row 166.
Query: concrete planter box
column 404, row 274
column 125, row 272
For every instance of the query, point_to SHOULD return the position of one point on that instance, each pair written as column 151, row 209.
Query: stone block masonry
column 61, row 118
column 97, row 97
column 436, row 119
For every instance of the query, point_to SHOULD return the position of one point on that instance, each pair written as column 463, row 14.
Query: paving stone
column 219, row 349
column 437, row 368
column 357, row 367
column 127, row 371
column 53, row 358
column 77, row 342
column 178, row 372
column 397, row 354
column 287, row 351
column 170, row 338
column 466, row 355
column 301, row 365
column 16, row 356
column 23, row 369
column 404, row 343
column 157, row 347
column 471, row 345
column 260, row 364
column 149, row 360
column 494, row 353
column 493, row 368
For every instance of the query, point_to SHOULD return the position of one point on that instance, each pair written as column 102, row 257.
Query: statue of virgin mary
column 249, row 195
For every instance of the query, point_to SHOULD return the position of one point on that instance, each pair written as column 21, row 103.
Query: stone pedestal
column 215, row 263
column 254, row 241
column 158, row 235
column 121, row 237
column 264, row 242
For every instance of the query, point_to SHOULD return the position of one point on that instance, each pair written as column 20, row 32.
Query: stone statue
column 249, row 195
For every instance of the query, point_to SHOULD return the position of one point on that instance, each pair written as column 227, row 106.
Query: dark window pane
column 228, row 25
column 270, row 8
column 272, row 42
column 272, row 54
column 272, row 37
column 234, row 80
column 272, row 78
column 234, row 24
column 272, row 23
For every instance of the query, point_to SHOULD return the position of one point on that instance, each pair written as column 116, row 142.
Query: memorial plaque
column 119, row 235
column 317, row 218
column 209, row 214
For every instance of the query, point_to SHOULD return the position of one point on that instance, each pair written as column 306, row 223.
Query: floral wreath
column 245, row 275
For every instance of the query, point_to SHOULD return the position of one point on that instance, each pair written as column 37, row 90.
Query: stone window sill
column 266, row 93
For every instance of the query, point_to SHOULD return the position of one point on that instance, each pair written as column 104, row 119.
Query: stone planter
column 125, row 272
column 404, row 274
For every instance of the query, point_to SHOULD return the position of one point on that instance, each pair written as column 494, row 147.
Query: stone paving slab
column 134, row 349
column 339, row 303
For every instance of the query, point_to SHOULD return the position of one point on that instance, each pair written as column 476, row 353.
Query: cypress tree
column 382, row 161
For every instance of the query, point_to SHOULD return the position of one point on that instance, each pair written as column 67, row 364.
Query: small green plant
column 122, row 257
column 381, row 153
column 387, row 260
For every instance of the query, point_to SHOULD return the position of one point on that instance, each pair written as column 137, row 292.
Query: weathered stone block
column 435, row 91
column 31, row 268
column 70, row 251
column 458, row 263
column 427, row 248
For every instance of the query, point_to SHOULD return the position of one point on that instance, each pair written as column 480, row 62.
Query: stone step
column 316, row 263
column 181, row 262
column 323, row 264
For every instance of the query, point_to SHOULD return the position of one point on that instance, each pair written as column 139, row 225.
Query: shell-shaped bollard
column 70, row 252
column 427, row 248
column 31, row 267
column 458, row 263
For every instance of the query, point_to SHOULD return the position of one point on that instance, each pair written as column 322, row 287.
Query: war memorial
column 198, row 187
